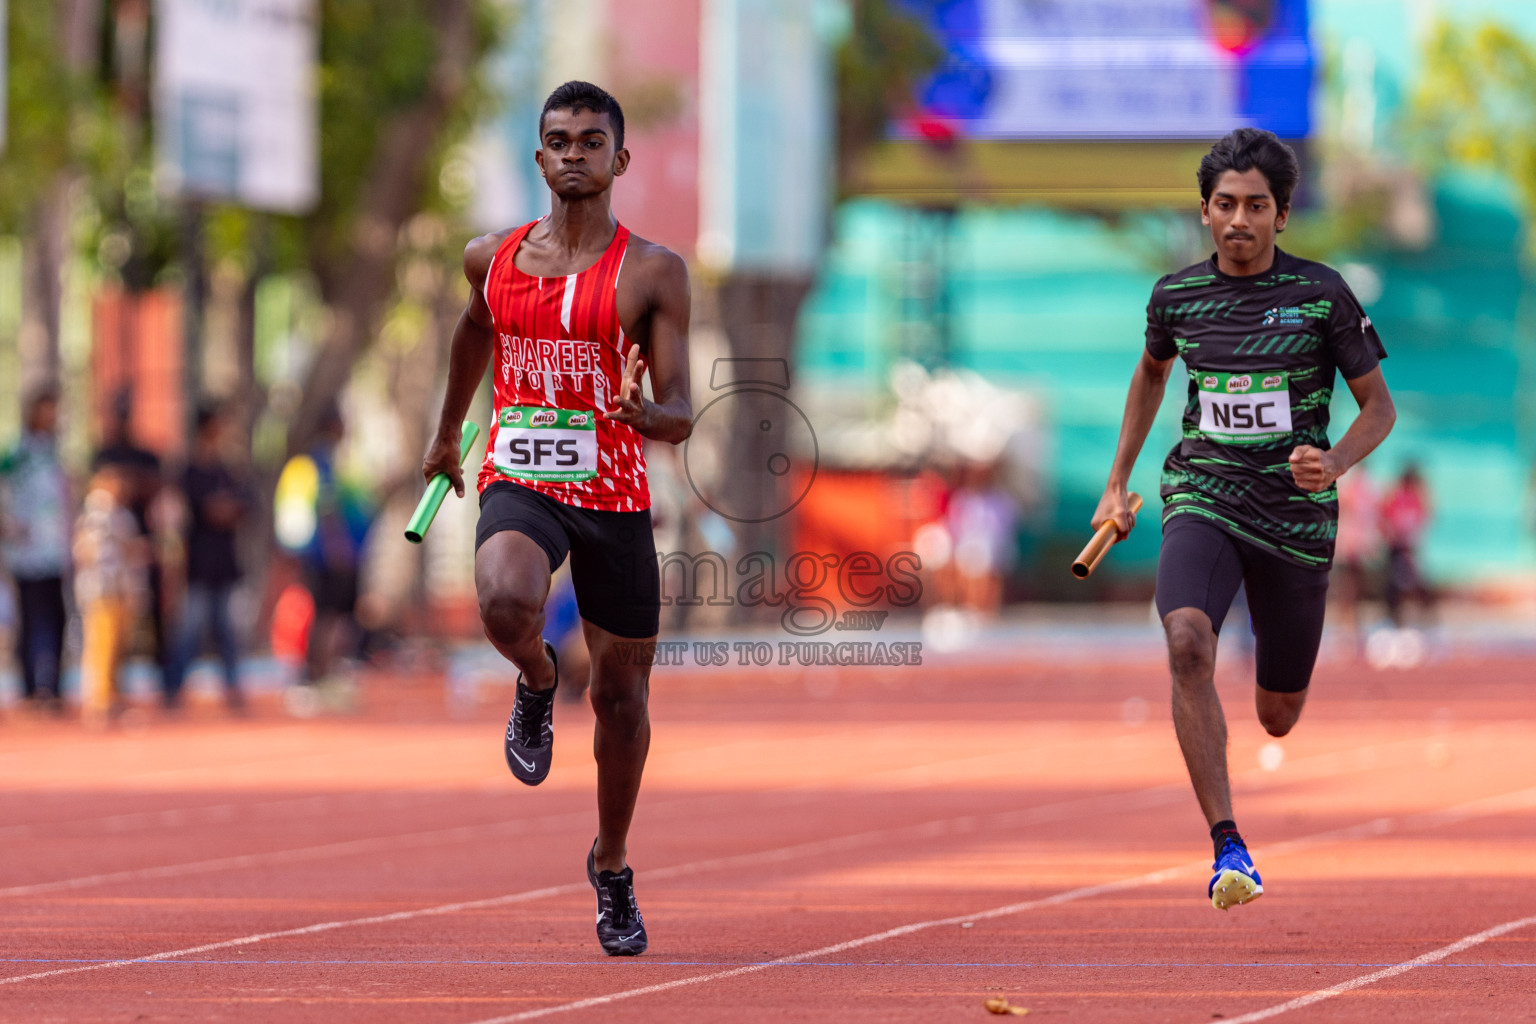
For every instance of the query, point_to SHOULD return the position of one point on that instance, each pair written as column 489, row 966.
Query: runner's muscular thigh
column 511, row 567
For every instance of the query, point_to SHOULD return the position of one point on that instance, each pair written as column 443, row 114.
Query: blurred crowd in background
column 230, row 238
column 141, row 558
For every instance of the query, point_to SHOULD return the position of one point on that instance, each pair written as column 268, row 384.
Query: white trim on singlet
column 485, row 291
column 620, row 270
column 568, row 300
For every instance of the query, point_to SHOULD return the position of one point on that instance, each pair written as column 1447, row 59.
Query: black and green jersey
column 1261, row 352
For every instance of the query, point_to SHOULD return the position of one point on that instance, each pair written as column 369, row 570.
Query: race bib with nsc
column 1244, row 408
column 535, row 443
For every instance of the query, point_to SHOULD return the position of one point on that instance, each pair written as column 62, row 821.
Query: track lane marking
column 313, row 929
column 854, row 964
column 1153, row 796
column 1330, row 763
column 960, row 825
column 462, row 833
column 294, row 856
column 1391, row 972
column 1498, row 804
column 112, row 824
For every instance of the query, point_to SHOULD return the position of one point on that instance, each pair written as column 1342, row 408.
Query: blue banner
column 1123, row 69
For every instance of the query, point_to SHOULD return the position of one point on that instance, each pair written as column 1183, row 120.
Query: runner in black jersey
column 1248, row 492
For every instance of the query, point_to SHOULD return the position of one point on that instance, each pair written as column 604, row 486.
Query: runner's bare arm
column 474, row 339
column 1316, row 470
column 1141, row 404
column 670, row 417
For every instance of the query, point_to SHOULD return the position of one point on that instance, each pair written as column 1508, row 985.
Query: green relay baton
column 437, row 489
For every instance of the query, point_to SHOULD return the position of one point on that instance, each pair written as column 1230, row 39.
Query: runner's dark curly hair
column 575, row 96
column 1243, row 150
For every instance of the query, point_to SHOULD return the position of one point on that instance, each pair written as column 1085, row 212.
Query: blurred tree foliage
column 399, row 88
column 1475, row 104
column 46, row 101
column 879, row 65
column 381, row 70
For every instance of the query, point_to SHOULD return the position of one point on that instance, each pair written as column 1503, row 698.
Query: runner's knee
column 1278, row 711
column 1277, row 724
column 620, row 707
column 1191, row 654
column 508, row 614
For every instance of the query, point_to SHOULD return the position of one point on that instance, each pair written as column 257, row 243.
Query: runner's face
column 1242, row 216
column 579, row 158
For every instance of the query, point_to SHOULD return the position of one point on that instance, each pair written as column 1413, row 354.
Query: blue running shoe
column 1236, row 880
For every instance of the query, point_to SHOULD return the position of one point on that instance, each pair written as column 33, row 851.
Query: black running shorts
column 613, row 554
column 1201, row 566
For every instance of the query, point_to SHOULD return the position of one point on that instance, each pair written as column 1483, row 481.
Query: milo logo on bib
column 558, row 445
column 1244, row 408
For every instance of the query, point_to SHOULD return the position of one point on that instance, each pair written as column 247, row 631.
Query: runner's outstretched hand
column 630, row 405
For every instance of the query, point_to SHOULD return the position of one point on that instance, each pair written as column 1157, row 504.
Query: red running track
column 838, row 845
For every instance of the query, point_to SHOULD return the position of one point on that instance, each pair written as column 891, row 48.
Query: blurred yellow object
column 1001, row 1006
column 105, row 630
column 293, row 513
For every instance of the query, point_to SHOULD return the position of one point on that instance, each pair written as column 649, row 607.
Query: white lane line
column 451, row 908
column 892, row 933
column 396, row 798
column 1337, row 762
column 1151, row 796
column 291, row 754
column 1391, row 972
column 1376, row 827
column 1047, row 812
column 461, row 833
column 465, row 833
column 324, row 926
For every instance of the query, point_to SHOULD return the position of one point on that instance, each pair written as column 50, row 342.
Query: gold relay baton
column 1103, row 540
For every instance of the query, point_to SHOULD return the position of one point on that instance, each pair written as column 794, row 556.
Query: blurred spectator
column 110, row 559
column 562, row 628
column 1357, row 547
column 8, row 623
column 931, row 493
column 34, row 529
column 140, row 473
column 216, row 504
column 332, row 558
column 1405, row 515
column 981, row 517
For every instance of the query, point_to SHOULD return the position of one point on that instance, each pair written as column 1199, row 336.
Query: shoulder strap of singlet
column 507, row 247
column 620, row 242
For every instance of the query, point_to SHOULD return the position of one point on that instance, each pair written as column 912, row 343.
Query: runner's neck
column 578, row 228
column 1260, row 264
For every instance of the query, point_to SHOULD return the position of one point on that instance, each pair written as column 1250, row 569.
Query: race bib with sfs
column 536, row 443
column 1244, row 408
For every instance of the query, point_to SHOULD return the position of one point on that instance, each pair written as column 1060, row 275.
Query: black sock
column 1223, row 830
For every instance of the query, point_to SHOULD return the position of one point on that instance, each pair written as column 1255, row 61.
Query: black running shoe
column 619, row 926
column 530, row 743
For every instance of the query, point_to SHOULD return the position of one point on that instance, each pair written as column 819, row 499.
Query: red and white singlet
column 559, row 361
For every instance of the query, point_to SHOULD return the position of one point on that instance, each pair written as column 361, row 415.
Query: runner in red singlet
column 568, row 312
